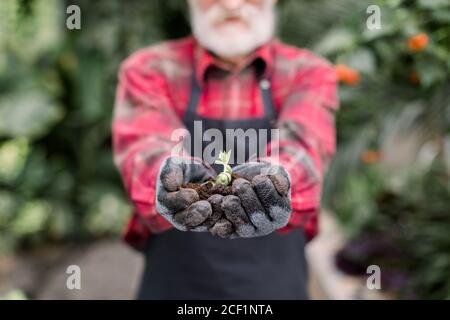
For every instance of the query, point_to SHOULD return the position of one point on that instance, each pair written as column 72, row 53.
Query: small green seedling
column 224, row 178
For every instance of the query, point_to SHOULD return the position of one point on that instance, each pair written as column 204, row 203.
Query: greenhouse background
column 388, row 187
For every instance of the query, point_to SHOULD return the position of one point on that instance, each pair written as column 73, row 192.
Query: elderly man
column 231, row 74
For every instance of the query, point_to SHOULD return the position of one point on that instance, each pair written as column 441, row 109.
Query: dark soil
column 208, row 188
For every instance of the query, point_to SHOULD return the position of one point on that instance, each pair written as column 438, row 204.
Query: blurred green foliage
column 57, row 178
column 389, row 183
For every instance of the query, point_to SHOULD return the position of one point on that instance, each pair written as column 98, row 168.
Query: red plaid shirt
column 152, row 96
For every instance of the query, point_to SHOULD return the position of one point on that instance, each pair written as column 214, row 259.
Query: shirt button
column 264, row 84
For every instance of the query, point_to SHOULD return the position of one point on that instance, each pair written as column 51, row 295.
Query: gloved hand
column 258, row 207
column 182, row 206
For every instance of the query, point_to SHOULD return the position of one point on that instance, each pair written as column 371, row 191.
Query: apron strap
column 265, row 86
column 196, row 93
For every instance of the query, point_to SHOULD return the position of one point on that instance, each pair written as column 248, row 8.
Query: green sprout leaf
column 224, row 158
column 224, row 178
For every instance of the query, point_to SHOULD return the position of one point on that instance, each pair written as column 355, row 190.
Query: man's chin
column 232, row 24
column 228, row 45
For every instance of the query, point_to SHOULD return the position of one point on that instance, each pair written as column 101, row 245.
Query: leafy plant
column 224, row 178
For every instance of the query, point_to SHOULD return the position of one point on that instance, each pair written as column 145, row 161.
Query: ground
column 109, row 270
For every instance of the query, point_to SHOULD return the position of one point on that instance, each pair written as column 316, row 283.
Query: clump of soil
column 208, row 188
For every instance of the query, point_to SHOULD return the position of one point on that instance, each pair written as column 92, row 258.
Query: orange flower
column 414, row 77
column 418, row 42
column 371, row 156
column 347, row 75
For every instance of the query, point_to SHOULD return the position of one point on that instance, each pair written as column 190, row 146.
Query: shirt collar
column 204, row 60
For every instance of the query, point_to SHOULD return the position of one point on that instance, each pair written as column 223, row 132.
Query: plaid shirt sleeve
column 142, row 127
column 307, row 137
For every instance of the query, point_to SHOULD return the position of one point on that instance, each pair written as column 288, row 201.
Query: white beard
column 233, row 40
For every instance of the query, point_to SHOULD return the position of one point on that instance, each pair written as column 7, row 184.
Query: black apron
column 197, row 265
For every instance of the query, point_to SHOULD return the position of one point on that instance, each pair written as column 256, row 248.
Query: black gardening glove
column 181, row 206
column 261, row 202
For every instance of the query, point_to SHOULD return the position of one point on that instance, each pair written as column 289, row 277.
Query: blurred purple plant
column 380, row 249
